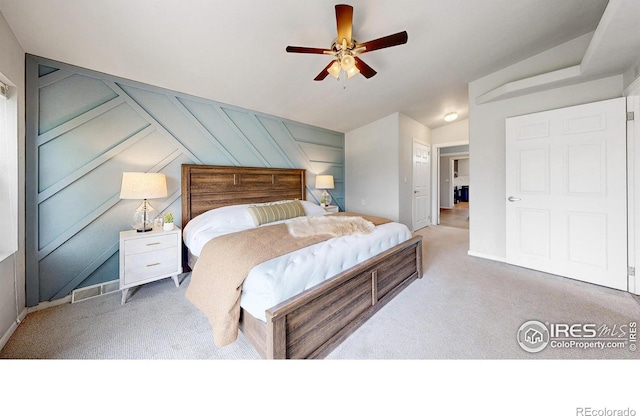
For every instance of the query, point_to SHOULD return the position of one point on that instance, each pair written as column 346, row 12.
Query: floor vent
column 89, row 292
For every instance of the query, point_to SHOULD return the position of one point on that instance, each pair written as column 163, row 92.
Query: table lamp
column 142, row 185
column 325, row 182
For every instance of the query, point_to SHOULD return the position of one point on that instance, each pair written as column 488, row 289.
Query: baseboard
column 7, row 335
column 44, row 305
column 487, row 256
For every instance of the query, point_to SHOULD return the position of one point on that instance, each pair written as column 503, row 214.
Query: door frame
column 632, row 94
column 435, row 177
column 452, row 175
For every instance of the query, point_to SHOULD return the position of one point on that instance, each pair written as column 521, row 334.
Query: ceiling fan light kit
column 345, row 48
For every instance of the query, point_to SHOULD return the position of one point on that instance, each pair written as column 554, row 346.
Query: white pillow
column 312, row 209
column 231, row 215
column 237, row 215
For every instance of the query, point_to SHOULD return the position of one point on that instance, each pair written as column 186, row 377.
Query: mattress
column 281, row 278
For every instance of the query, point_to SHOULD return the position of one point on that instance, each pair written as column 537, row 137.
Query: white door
column 566, row 192
column 421, row 180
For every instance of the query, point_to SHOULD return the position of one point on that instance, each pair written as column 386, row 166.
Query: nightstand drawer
column 151, row 243
column 143, row 266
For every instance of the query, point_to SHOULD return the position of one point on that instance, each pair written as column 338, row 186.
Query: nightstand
column 147, row 257
column 331, row 208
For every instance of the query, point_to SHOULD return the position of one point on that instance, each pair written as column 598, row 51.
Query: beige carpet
column 463, row 308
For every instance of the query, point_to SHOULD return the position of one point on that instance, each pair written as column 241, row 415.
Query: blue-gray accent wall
column 85, row 128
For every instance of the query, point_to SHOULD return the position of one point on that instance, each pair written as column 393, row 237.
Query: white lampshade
column 324, row 182
column 142, row 185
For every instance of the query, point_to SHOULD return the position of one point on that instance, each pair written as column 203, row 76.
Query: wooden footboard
column 313, row 323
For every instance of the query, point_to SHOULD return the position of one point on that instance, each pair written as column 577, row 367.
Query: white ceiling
column 233, row 51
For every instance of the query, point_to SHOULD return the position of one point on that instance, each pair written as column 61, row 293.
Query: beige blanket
column 224, row 263
column 328, row 224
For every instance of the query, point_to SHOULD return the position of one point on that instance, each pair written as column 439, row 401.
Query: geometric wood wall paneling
column 282, row 133
column 85, row 128
column 73, row 147
column 249, row 131
column 69, row 98
column 205, row 132
column 310, row 134
column 211, row 120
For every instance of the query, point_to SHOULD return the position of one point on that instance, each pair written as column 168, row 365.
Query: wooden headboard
column 206, row 187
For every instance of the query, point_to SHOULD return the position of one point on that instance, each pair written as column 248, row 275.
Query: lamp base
column 143, row 217
column 326, row 198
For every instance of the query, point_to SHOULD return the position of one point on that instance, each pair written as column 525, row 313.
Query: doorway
column 453, row 192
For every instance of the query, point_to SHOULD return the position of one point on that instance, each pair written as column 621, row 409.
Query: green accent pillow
column 275, row 211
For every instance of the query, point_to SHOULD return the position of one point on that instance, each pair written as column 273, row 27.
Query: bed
column 313, row 321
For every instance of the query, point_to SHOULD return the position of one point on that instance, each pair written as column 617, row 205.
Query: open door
column 566, row 194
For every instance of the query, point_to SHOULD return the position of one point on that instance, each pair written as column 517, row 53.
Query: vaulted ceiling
column 233, row 51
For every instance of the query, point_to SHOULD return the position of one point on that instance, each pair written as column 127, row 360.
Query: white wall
column 456, row 132
column 12, row 67
column 487, row 135
column 379, row 167
column 632, row 74
column 371, row 169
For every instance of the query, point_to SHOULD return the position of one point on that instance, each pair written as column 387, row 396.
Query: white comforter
column 281, row 278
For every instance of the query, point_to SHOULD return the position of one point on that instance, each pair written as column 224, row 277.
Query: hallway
column 457, row 217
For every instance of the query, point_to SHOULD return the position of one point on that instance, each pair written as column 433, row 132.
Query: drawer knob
column 152, row 244
column 152, row 264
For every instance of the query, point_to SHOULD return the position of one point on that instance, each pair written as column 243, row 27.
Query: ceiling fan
column 345, row 48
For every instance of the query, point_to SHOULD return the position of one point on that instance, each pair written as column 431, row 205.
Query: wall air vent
column 89, row 292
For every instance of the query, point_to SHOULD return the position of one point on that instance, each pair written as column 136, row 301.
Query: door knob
column 513, row 199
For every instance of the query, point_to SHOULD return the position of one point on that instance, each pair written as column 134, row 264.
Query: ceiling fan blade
column 344, row 22
column 322, row 75
column 365, row 69
column 384, row 42
column 302, row 49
